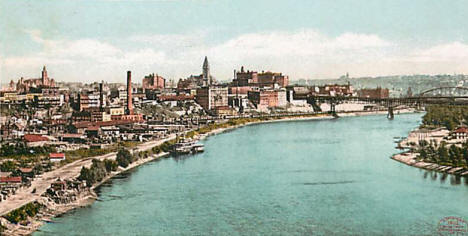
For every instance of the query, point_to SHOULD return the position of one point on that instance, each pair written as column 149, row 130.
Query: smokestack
column 129, row 93
column 101, row 98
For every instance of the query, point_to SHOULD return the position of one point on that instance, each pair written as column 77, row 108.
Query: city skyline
column 79, row 41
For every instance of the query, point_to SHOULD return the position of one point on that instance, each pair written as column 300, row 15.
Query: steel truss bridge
column 434, row 96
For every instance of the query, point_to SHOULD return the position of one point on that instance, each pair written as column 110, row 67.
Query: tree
column 124, row 157
column 454, row 154
column 423, row 154
column 443, row 153
column 8, row 166
column 110, row 165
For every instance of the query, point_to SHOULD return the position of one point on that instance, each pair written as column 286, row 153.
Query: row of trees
column 22, row 213
column 444, row 154
column 100, row 169
column 21, row 149
column 445, row 115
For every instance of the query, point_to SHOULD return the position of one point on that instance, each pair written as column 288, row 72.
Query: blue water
column 329, row 177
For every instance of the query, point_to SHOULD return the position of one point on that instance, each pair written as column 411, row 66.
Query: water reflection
column 442, row 177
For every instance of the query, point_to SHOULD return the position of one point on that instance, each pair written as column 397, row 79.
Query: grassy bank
column 22, row 214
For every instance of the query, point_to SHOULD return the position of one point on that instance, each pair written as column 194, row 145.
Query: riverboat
column 187, row 147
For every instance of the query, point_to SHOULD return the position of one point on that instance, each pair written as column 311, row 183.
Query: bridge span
column 435, row 96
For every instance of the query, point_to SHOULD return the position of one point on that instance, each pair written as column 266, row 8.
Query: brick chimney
column 129, row 93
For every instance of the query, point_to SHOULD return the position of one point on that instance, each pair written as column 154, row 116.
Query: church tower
column 44, row 76
column 206, row 71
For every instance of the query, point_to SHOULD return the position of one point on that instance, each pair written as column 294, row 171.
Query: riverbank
column 310, row 117
column 53, row 210
column 87, row 197
column 72, row 170
column 280, row 119
column 280, row 177
column 412, row 158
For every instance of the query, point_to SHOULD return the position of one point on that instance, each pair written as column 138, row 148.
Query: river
column 321, row 177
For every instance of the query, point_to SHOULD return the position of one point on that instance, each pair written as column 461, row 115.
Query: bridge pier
column 390, row 114
column 333, row 109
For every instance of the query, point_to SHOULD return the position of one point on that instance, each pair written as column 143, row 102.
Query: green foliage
column 82, row 153
column 20, row 149
column 166, row 146
column 97, row 172
column 8, row 166
column 22, row 213
column 124, row 157
column 129, row 144
column 156, row 149
column 446, row 116
column 451, row 156
column 110, row 165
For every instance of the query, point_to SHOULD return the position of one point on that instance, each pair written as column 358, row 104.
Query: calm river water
column 328, row 177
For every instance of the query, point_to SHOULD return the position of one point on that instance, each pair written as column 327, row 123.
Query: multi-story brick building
column 88, row 101
column 374, row 93
column 269, row 79
column 153, row 81
column 211, row 98
column 245, row 78
column 255, row 79
column 268, row 98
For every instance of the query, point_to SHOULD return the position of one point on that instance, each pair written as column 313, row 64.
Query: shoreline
column 305, row 118
column 54, row 210
column 411, row 158
column 86, row 198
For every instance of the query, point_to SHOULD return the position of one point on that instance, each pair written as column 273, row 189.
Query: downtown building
column 263, row 99
column 374, row 93
column 269, row 79
column 34, row 84
column 152, row 81
column 197, row 81
column 213, row 99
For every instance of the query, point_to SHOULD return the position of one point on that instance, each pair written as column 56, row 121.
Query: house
column 10, row 180
column 92, row 131
column 56, row 157
column 35, row 140
column 27, row 172
column 460, row 133
column 73, row 138
column 59, row 185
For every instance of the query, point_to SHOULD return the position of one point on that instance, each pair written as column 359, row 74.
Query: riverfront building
column 268, row 98
column 212, row 98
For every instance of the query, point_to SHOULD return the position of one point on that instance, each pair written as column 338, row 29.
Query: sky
column 98, row 40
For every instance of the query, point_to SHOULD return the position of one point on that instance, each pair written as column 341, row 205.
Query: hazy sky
column 102, row 39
